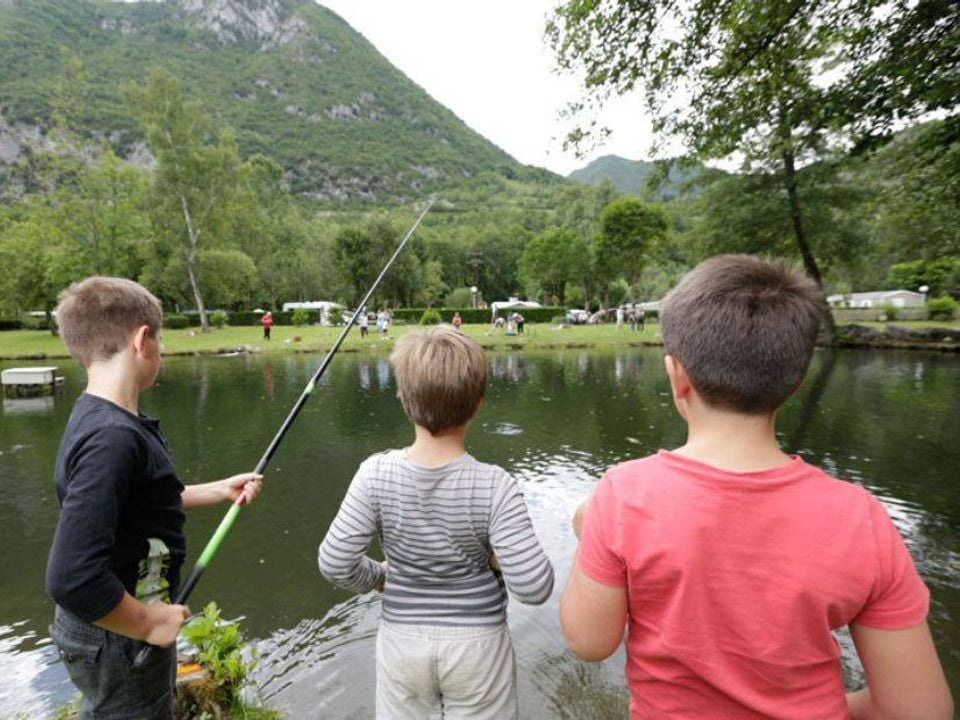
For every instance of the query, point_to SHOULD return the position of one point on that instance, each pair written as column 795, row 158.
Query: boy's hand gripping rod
column 213, row 545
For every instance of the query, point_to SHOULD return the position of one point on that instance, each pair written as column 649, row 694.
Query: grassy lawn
column 34, row 344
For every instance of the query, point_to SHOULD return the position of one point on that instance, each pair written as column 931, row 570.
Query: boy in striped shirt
column 456, row 535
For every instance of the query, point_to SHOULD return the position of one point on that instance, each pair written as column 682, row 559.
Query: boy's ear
column 139, row 338
column 679, row 380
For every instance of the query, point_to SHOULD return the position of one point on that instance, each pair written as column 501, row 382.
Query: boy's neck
column 733, row 441
column 113, row 380
column 436, row 450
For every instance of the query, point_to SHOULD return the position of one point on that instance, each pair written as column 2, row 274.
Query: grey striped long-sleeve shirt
column 437, row 527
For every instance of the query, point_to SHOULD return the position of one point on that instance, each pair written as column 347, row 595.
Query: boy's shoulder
column 397, row 461
column 800, row 476
column 96, row 419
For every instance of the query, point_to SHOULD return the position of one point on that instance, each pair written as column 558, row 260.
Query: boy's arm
column 79, row 573
column 247, row 485
column 157, row 624
column 342, row 557
column 904, row 676
column 593, row 616
column 593, row 608
column 525, row 567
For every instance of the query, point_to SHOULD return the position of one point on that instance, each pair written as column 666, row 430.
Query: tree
column 550, row 260
column 195, row 179
column 629, row 229
column 102, row 215
column 361, row 253
column 727, row 77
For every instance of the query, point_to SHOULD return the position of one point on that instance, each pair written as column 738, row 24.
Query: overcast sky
column 488, row 63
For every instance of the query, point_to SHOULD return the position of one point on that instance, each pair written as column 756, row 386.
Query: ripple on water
column 504, row 428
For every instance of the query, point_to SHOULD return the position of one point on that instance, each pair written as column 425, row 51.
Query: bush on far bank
column 942, row 308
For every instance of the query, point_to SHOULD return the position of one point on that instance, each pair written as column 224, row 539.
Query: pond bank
column 41, row 345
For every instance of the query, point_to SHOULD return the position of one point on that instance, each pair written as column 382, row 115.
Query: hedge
column 11, row 324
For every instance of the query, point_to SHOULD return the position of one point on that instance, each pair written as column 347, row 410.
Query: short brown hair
column 744, row 329
column 97, row 315
column 441, row 377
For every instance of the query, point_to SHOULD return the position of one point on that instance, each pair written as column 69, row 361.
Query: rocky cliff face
column 271, row 23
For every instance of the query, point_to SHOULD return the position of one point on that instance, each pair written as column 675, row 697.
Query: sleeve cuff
column 604, row 576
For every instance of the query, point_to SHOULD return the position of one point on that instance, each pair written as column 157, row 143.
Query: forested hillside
column 666, row 182
column 293, row 80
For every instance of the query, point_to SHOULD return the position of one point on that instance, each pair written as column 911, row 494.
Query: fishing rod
column 220, row 533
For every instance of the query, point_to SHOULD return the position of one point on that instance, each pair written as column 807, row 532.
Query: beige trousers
column 427, row 672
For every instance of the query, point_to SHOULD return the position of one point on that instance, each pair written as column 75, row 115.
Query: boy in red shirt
column 729, row 562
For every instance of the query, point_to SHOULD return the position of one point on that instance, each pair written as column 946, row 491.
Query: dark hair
column 744, row 329
column 97, row 316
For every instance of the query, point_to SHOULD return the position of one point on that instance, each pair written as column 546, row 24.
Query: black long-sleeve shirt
column 121, row 514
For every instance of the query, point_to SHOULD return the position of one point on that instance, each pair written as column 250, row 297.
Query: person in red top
column 730, row 563
column 267, row 322
column 457, row 320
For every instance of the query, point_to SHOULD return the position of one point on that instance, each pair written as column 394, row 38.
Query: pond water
column 885, row 420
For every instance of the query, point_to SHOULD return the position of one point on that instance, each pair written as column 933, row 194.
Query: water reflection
column 887, row 421
column 28, row 406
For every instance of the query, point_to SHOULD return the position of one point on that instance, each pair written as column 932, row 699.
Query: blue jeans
column 100, row 664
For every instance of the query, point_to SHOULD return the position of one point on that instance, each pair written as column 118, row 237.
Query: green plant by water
column 222, row 651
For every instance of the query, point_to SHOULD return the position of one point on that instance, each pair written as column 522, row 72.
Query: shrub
column 942, row 308
column 300, row 317
column 176, row 322
column 35, row 323
column 218, row 318
column 11, row 323
column 460, row 297
column 889, row 312
column 431, row 317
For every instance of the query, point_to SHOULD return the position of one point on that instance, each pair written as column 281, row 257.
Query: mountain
column 292, row 78
column 631, row 176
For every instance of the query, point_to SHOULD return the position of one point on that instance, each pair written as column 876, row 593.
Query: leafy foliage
column 431, row 317
column 942, row 308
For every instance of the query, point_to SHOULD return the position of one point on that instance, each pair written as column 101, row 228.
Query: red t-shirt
column 735, row 581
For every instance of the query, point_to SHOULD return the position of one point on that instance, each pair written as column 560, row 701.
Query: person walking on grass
column 456, row 535
column 730, row 563
column 115, row 560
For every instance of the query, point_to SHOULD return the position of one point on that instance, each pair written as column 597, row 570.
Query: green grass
column 38, row 345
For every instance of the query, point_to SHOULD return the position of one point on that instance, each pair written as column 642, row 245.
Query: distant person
column 730, row 563
column 456, row 322
column 363, row 322
column 620, row 316
column 456, row 535
column 115, row 560
column 267, row 322
column 642, row 319
column 499, row 322
column 518, row 322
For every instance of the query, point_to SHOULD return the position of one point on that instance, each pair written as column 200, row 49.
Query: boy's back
column 735, row 581
column 438, row 526
column 730, row 580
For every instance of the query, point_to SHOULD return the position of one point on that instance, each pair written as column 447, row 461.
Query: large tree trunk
column 809, row 261
column 193, row 236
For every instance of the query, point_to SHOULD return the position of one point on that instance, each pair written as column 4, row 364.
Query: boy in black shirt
column 115, row 561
